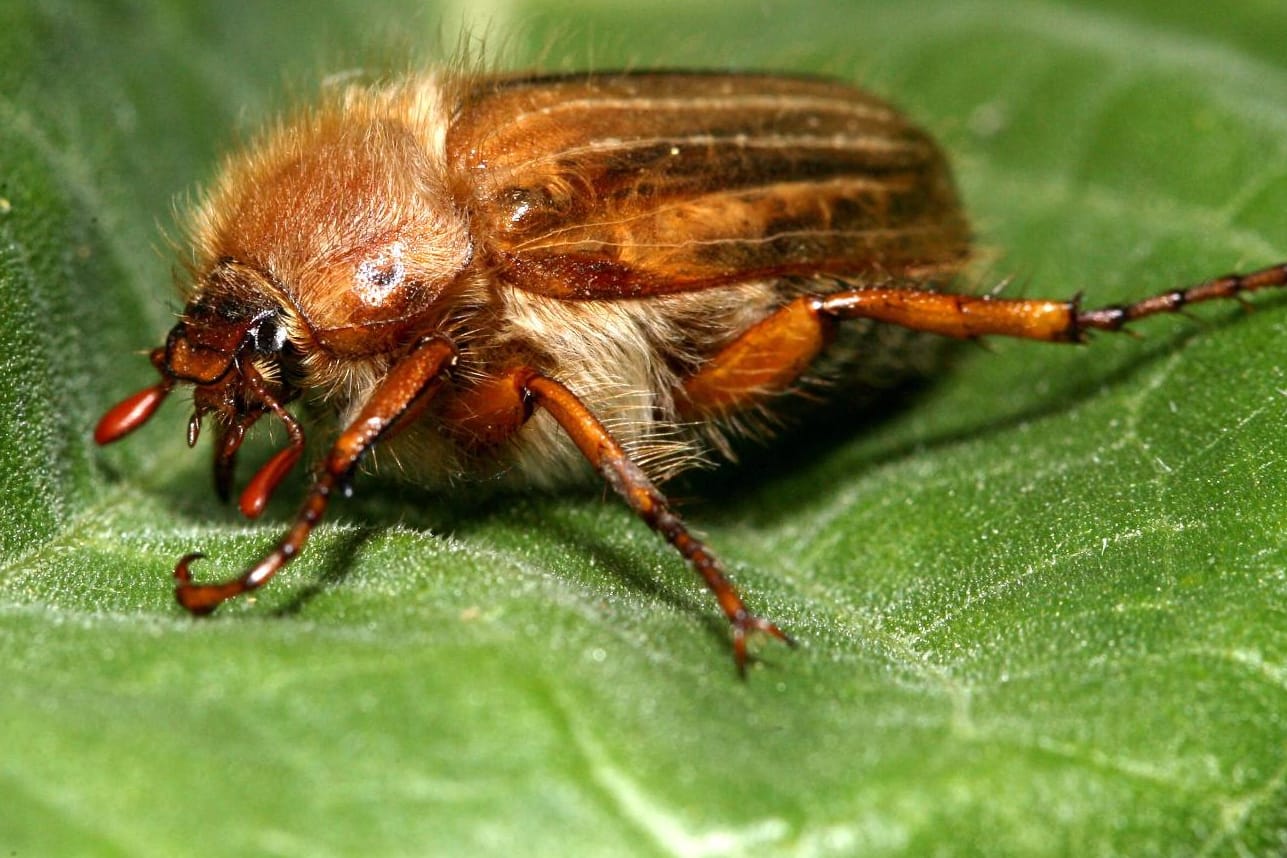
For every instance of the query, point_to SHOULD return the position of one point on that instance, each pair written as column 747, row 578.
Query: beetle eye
column 268, row 337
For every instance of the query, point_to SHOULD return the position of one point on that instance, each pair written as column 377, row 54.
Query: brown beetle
column 510, row 275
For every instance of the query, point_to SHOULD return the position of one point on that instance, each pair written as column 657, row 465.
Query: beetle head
column 235, row 353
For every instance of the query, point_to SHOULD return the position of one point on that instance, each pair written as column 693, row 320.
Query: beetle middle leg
column 772, row 354
column 491, row 412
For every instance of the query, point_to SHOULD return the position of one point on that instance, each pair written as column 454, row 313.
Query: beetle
column 512, row 275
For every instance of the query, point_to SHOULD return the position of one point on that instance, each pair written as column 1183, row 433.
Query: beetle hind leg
column 772, row 354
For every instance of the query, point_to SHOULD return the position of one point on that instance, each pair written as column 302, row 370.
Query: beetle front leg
column 395, row 403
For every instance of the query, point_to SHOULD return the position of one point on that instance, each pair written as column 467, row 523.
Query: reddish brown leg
column 768, row 357
column 490, row 413
column 401, row 396
column 772, row 354
column 487, row 414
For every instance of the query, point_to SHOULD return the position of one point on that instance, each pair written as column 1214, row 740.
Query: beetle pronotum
column 642, row 258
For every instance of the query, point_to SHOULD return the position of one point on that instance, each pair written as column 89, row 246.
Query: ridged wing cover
column 628, row 185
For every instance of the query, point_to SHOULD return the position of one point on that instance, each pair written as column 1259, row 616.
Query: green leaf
column 1039, row 601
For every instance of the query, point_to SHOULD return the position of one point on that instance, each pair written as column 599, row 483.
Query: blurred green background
column 1040, row 604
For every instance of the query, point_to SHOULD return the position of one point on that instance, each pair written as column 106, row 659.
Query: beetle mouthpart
column 265, row 481
column 227, row 443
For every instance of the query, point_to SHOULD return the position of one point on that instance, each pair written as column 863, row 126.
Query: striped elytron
column 510, row 276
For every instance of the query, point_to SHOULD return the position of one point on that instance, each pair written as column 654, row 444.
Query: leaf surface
column 1039, row 600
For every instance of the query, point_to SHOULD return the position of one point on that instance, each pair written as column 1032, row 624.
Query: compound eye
column 268, row 336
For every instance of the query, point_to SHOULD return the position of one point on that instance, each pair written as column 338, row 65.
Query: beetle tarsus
column 198, row 599
column 747, row 624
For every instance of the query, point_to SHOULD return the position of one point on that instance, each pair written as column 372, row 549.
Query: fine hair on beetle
column 514, row 276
